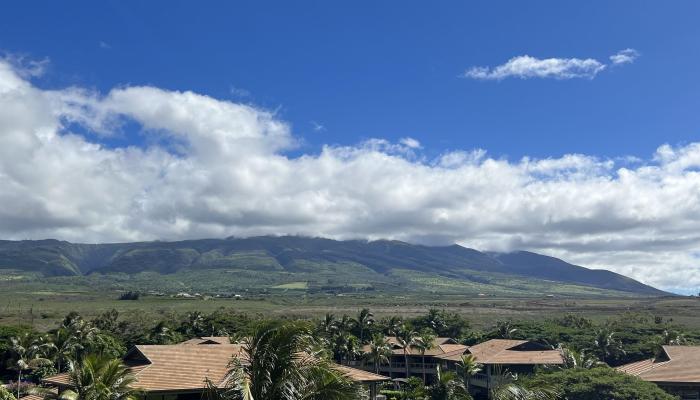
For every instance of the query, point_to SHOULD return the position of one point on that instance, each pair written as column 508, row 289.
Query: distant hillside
column 320, row 262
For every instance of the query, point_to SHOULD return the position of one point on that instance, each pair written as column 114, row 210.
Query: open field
column 42, row 308
column 43, row 301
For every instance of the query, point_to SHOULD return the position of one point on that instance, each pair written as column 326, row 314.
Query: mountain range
column 304, row 262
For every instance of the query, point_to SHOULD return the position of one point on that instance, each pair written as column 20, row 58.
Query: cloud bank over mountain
column 214, row 168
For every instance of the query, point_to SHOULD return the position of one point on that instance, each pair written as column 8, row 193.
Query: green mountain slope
column 290, row 259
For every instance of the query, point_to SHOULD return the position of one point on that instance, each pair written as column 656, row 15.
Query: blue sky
column 566, row 128
column 392, row 69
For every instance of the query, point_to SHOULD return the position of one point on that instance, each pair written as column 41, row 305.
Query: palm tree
column 406, row 338
column 26, row 354
column 673, row 338
column 435, row 320
column 96, row 377
column 448, row 387
column 468, row 367
column 394, row 325
column 364, row 320
column 328, row 325
column 345, row 324
column 82, row 336
column 353, row 348
column 63, row 347
column 195, row 324
column 666, row 338
column 505, row 330
column 606, row 345
column 574, row 359
column 379, row 351
column 507, row 387
column 424, row 342
column 278, row 363
column 345, row 347
column 162, row 334
column 514, row 391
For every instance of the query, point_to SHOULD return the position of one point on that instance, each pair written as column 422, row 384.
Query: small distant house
column 676, row 370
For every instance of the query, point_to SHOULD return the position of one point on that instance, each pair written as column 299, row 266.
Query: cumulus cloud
column 525, row 67
column 626, row 56
column 216, row 168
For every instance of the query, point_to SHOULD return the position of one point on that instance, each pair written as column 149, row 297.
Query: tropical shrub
column 5, row 394
column 600, row 383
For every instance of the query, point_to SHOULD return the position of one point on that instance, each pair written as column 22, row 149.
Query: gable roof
column 208, row 340
column 507, row 351
column 178, row 368
column 678, row 364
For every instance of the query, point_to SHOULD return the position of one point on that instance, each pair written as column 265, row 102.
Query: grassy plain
column 44, row 306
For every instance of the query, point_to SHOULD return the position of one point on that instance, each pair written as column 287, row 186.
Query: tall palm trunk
column 423, row 362
column 405, row 360
column 19, row 381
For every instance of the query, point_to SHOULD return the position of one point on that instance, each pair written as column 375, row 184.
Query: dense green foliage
column 5, row 394
column 283, row 365
column 587, row 344
column 601, row 383
column 322, row 262
column 100, row 377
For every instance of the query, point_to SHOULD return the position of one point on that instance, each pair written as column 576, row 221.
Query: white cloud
column 526, row 67
column 626, row 56
column 411, row 143
column 239, row 92
column 317, row 127
column 23, row 66
column 216, row 168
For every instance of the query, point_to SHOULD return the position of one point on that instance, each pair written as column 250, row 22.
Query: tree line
column 589, row 348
